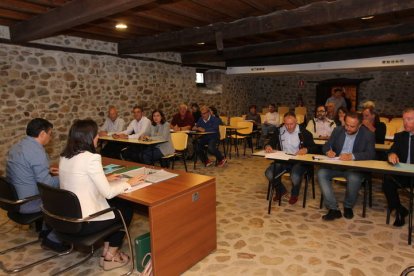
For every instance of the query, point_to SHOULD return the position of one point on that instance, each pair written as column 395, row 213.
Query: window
column 200, row 77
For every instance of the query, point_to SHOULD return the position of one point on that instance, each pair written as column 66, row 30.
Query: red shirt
column 187, row 121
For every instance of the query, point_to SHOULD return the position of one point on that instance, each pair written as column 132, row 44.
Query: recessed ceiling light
column 367, row 17
column 201, row 43
column 121, row 26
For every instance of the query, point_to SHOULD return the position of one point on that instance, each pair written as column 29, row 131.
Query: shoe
column 348, row 213
column 400, row 215
column 43, row 233
column 332, row 214
column 222, row 162
column 120, row 259
column 279, row 195
column 54, row 246
column 293, row 199
column 208, row 163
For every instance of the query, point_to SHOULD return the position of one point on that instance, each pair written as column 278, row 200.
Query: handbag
column 147, row 264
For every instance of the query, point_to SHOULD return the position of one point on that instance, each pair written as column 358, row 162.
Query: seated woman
column 159, row 130
column 81, row 172
column 340, row 116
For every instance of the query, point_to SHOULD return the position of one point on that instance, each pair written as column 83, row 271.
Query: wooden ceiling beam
column 73, row 14
column 311, row 15
column 400, row 32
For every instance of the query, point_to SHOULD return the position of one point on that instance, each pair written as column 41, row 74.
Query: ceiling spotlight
column 121, row 26
column 367, row 17
column 201, row 43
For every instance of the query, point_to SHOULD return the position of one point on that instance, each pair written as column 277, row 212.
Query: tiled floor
column 290, row 241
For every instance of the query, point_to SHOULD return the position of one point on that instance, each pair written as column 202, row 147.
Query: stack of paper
column 153, row 175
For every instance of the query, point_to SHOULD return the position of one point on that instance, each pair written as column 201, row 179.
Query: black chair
column 9, row 202
column 62, row 211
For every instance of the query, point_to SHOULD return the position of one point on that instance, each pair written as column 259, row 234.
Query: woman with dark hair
column 215, row 113
column 159, row 130
column 196, row 111
column 340, row 116
column 81, row 172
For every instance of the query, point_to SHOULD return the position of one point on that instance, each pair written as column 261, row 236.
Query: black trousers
column 390, row 187
column 115, row 239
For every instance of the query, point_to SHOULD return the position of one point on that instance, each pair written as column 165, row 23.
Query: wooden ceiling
column 240, row 32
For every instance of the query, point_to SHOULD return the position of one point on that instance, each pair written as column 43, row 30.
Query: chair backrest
column 223, row 132
column 300, row 110
column 384, row 120
column 396, row 119
column 234, row 120
column 300, row 118
column 247, row 130
column 282, row 110
column 224, row 119
column 262, row 118
column 179, row 140
column 62, row 203
column 265, row 110
column 7, row 193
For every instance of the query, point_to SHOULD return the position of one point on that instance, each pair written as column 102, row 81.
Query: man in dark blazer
column 293, row 139
column 401, row 151
column 349, row 142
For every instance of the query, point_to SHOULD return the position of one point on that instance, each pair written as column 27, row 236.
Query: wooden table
column 378, row 147
column 370, row 166
column 182, row 219
column 131, row 141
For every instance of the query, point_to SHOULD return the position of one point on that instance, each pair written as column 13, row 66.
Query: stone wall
column 391, row 91
column 62, row 87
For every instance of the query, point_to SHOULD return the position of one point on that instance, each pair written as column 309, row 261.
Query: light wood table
column 131, row 141
column 378, row 147
column 182, row 219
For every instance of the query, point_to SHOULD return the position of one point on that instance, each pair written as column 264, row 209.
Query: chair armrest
column 78, row 220
column 19, row 201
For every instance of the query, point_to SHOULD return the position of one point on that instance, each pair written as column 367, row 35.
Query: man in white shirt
column 270, row 123
column 113, row 124
column 137, row 128
column 321, row 127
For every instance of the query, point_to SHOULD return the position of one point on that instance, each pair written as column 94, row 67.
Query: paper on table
column 324, row 157
column 280, row 155
column 153, row 175
column 137, row 187
column 404, row 166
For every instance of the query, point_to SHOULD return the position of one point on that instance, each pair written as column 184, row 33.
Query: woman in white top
column 81, row 172
column 159, row 130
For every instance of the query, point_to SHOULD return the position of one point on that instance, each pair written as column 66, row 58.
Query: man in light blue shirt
column 349, row 142
column 28, row 164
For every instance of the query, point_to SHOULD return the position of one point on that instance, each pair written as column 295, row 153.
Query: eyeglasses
column 320, row 111
column 204, row 113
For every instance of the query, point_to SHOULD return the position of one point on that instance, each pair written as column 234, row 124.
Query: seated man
column 112, row 124
column 350, row 142
column 290, row 138
column 401, row 151
column 321, row 127
column 209, row 123
column 183, row 120
column 270, row 123
column 27, row 164
column 137, row 128
column 253, row 116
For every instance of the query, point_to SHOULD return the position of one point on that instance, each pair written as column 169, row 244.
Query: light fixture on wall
column 201, row 43
column 368, row 17
column 121, row 26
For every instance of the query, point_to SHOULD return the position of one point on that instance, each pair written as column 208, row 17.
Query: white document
column 137, row 187
column 152, row 175
column 279, row 155
column 324, row 157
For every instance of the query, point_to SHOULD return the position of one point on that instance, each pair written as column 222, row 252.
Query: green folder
column 122, row 170
column 142, row 247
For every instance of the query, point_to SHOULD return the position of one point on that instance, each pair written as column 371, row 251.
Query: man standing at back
column 28, row 164
column 337, row 99
column 350, row 142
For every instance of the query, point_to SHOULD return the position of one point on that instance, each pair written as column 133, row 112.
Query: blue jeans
column 150, row 155
column 265, row 132
column 354, row 181
column 296, row 173
column 212, row 142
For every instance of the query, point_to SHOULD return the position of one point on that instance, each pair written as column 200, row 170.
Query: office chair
column 10, row 202
column 67, row 221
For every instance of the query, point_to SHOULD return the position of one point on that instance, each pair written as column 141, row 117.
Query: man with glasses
column 321, row 127
column 28, row 164
column 209, row 123
column 349, row 142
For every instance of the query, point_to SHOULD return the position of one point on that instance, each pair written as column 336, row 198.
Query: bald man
column 183, row 120
column 112, row 124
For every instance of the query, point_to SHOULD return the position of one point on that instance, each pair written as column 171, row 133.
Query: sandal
column 118, row 260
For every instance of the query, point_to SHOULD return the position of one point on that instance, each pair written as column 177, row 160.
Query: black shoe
column 54, row 246
column 400, row 215
column 332, row 214
column 43, row 234
column 348, row 213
